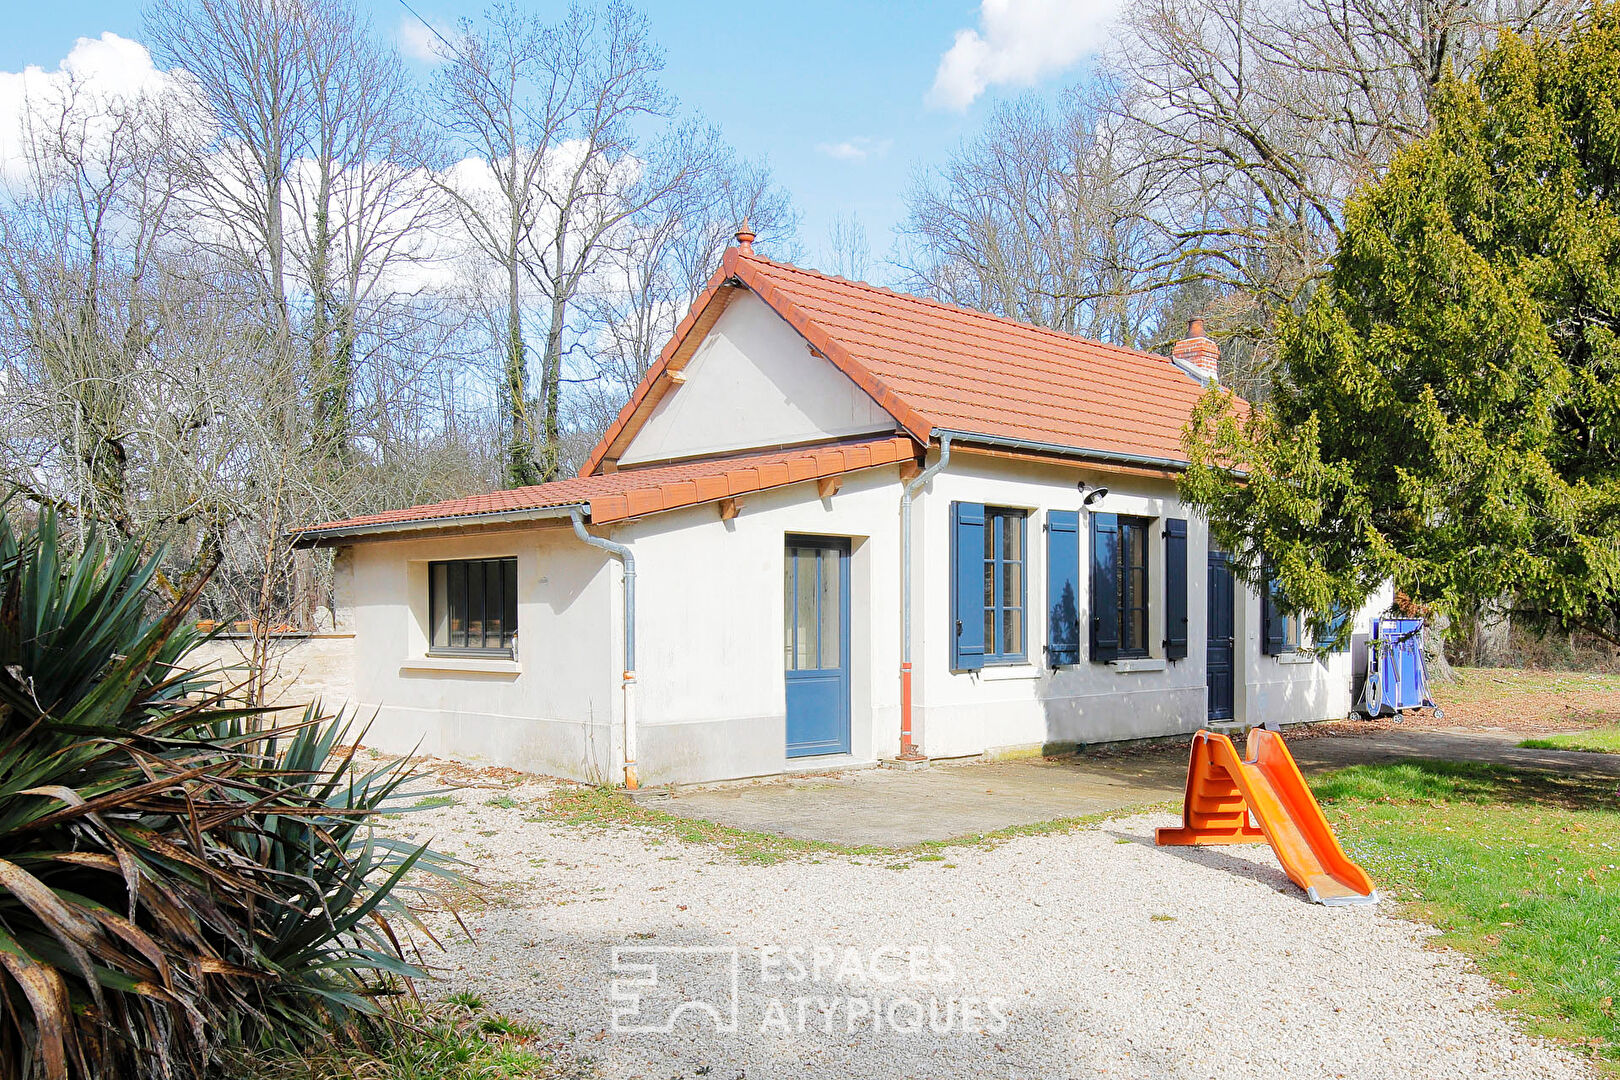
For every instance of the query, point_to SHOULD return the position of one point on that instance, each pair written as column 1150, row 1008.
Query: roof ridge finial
column 745, row 238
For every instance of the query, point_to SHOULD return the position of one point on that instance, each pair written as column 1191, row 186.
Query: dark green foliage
column 174, row 880
column 1448, row 412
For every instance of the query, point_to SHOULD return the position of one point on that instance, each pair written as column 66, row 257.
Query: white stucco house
column 835, row 524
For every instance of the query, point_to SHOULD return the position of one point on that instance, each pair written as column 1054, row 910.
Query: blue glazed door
column 1221, row 653
column 816, row 649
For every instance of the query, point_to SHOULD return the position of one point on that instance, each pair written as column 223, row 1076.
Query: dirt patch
column 1527, row 701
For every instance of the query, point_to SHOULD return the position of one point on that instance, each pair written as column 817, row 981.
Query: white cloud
column 422, row 41
column 859, row 148
column 107, row 71
column 436, row 255
column 1019, row 42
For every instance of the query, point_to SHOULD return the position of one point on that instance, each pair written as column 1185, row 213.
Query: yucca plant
column 178, row 871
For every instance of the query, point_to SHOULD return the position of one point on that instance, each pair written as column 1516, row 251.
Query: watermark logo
column 655, row 986
column 796, row 990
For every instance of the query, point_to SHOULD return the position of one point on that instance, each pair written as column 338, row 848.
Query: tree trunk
column 551, row 389
column 1434, row 649
column 520, row 470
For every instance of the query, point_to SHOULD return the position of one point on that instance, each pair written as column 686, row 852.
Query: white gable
column 752, row 383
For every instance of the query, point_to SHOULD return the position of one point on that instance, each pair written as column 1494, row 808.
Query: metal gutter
column 627, row 559
column 310, row 537
column 1112, row 457
column 908, row 749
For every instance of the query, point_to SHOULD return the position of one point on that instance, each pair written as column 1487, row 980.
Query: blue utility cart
column 1396, row 677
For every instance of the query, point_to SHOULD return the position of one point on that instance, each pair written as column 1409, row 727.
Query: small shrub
column 466, row 999
column 438, row 1043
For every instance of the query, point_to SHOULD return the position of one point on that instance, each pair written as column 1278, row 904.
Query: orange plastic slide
column 1224, row 789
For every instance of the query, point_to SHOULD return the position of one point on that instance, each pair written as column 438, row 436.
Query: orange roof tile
column 633, row 492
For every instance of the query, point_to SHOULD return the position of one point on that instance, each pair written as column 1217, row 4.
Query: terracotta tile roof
column 937, row 366
column 633, row 492
column 932, row 365
column 974, row 372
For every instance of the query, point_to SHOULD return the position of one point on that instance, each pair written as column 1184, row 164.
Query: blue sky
column 840, row 96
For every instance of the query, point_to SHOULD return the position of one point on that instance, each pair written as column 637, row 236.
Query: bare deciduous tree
column 258, row 298
column 646, row 282
column 1041, row 218
column 551, row 117
column 363, row 208
column 1264, row 117
column 849, row 252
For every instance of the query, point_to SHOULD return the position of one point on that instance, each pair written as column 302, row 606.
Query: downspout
column 908, row 749
column 628, row 560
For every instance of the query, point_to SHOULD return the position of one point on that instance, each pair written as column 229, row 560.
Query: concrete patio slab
column 891, row 808
column 886, row 808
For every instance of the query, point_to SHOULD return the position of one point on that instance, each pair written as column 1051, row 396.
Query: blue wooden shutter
column 967, row 586
column 1272, row 621
column 1175, row 589
column 1062, row 587
column 1104, row 586
column 1336, row 619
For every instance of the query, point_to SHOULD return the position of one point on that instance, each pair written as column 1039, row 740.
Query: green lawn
column 1520, row 870
column 1604, row 740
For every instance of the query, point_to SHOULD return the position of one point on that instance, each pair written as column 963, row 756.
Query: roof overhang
column 1077, row 454
column 636, row 493
column 333, row 537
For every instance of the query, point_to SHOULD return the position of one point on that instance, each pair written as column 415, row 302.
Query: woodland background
column 292, row 283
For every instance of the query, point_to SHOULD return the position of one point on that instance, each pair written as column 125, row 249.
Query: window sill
column 1297, row 657
column 467, row 665
column 1141, row 663
column 1009, row 672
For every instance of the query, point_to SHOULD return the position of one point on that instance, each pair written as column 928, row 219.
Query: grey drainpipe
column 628, row 560
column 908, row 751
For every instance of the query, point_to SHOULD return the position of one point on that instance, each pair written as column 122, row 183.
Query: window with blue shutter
column 1133, row 585
column 988, row 590
column 1175, row 589
column 967, row 586
column 1104, row 587
column 1119, row 586
column 1062, row 587
column 1279, row 626
column 1004, row 587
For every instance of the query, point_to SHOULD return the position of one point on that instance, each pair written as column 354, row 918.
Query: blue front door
column 816, row 649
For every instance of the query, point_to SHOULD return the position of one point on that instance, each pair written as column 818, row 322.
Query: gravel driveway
column 1088, row 954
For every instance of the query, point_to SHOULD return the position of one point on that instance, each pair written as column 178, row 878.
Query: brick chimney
column 1198, row 352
